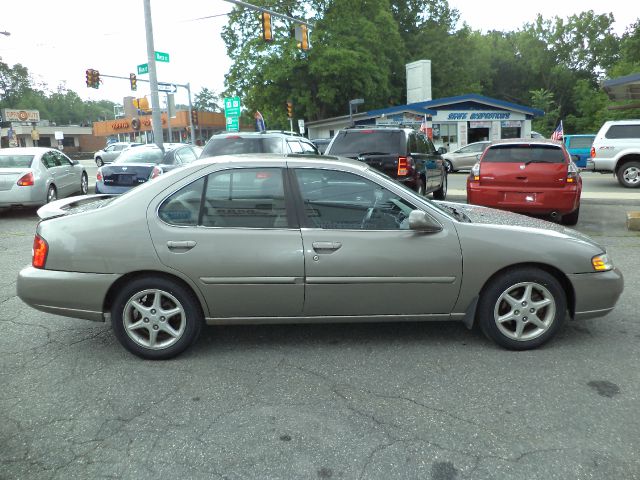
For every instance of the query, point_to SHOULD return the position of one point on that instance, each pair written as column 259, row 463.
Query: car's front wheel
column 629, row 175
column 522, row 308
column 99, row 161
column 448, row 166
column 156, row 318
column 84, row 184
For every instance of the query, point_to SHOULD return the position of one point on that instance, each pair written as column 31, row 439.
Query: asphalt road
column 376, row 401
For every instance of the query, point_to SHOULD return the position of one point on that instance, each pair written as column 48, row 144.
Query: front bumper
column 70, row 294
column 596, row 293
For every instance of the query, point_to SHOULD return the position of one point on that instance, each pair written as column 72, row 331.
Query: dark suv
column 254, row 142
column 402, row 153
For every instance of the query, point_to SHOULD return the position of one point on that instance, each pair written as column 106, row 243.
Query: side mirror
column 75, row 162
column 442, row 150
column 421, row 222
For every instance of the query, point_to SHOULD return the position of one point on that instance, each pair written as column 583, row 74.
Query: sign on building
column 12, row 115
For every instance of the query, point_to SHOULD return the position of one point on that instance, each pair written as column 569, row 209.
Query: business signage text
column 10, row 115
column 479, row 116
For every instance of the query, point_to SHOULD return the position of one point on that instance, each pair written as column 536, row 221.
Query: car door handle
column 181, row 245
column 326, row 247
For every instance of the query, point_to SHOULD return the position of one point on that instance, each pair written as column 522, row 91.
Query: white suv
column 616, row 149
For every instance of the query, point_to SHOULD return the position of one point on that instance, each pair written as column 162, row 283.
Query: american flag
column 558, row 133
column 423, row 126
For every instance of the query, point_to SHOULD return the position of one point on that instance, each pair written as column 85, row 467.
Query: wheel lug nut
column 524, row 319
column 517, row 312
column 155, row 327
column 524, row 304
column 153, row 312
column 532, row 310
column 162, row 319
column 146, row 320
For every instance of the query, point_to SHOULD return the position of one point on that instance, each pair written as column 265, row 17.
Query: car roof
column 26, row 150
column 381, row 128
column 527, row 141
column 268, row 133
column 281, row 160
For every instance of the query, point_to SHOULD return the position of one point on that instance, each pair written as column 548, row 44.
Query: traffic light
column 290, row 109
column 194, row 117
column 93, row 78
column 302, row 36
column 267, row 33
column 134, row 81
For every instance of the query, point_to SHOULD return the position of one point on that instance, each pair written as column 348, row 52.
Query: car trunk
column 527, row 168
column 10, row 176
column 126, row 175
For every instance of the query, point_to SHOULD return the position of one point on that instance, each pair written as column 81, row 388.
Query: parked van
column 579, row 145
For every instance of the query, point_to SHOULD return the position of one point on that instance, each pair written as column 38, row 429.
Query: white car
column 111, row 152
column 616, row 149
column 465, row 157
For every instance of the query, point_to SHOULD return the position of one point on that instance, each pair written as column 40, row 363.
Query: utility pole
column 193, row 130
column 156, row 119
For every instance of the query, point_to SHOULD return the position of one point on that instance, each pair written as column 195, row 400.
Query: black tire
column 448, row 166
column 571, row 218
column 99, row 162
column 156, row 295
column 52, row 194
column 629, row 175
column 84, row 184
column 441, row 193
column 548, row 318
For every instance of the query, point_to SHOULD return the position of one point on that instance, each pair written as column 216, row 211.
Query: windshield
column 524, row 153
column 15, row 161
column 356, row 142
column 141, row 155
column 236, row 144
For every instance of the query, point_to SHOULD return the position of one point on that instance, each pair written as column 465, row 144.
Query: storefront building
column 451, row 122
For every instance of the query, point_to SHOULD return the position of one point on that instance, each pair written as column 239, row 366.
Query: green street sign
column 233, row 124
column 162, row 57
column 232, row 107
column 142, row 69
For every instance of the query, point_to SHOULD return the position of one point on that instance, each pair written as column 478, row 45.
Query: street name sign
column 162, row 57
column 142, row 69
column 232, row 107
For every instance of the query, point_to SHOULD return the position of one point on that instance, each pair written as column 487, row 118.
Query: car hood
column 492, row 216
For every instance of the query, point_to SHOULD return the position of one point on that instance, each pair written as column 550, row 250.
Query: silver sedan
column 35, row 176
column 464, row 158
column 273, row 239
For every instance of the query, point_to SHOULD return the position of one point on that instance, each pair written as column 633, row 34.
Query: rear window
column 523, row 154
column 580, row 142
column 235, row 145
column 140, row 155
column 354, row 142
column 15, row 161
column 623, row 131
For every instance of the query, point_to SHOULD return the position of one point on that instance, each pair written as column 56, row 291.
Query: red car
column 527, row 176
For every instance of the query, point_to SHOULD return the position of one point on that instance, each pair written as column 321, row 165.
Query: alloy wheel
column 525, row 311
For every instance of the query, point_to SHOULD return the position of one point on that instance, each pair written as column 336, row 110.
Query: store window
column 445, row 133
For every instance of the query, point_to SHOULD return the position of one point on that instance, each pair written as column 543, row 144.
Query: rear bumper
column 533, row 200
column 596, row 293
column 102, row 188
column 70, row 294
column 22, row 196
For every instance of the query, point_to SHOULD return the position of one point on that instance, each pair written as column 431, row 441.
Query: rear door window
column 524, row 154
column 581, row 142
column 359, row 141
column 623, row 131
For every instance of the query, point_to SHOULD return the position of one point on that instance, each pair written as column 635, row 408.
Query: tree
column 208, row 101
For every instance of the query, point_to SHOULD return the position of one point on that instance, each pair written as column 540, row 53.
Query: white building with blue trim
column 452, row 122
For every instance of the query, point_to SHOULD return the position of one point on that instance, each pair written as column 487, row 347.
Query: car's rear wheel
column 84, row 184
column 448, row 166
column 99, row 162
column 629, row 175
column 441, row 193
column 522, row 308
column 156, row 318
column 571, row 218
column 52, row 194
column 420, row 187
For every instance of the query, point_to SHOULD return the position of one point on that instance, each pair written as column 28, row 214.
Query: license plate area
column 522, row 197
column 126, row 179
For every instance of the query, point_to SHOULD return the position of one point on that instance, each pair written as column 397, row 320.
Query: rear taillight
column 26, row 180
column 39, row 252
column 155, row 172
column 99, row 175
column 572, row 173
column 405, row 166
column 475, row 171
column 593, row 152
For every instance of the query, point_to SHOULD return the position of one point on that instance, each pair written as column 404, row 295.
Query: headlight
column 601, row 263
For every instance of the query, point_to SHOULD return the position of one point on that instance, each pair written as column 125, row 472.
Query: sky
column 58, row 40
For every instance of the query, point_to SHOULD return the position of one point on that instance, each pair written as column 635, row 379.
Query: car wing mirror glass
column 421, row 222
column 442, row 150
